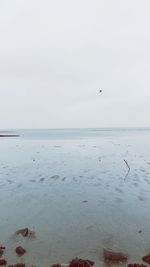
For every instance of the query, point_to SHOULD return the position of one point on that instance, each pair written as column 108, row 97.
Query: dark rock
column 146, row 258
column 24, row 232
column 117, row 257
column 3, row 262
column 20, row 251
column 81, row 263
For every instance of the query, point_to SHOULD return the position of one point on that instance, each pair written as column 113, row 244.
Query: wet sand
column 76, row 196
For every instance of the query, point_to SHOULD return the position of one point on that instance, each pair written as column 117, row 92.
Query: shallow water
column 71, row 187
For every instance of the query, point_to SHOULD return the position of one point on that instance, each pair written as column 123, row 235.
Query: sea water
column 80, row 190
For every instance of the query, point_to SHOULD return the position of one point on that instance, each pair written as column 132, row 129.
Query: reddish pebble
column 24, row 232
column 81, row 263
column 3, row 262
column 117, row 257
column 146, row 258
column 17, row 265
column 136, row 265
column 20, row 251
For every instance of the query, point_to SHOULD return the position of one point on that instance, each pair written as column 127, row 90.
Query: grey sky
column 55, row 55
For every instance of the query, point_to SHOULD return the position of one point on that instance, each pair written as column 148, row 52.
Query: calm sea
column 77, row 133
column 80, row 190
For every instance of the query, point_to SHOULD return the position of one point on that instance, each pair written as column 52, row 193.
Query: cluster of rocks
column 118, row 257
column 109, row 256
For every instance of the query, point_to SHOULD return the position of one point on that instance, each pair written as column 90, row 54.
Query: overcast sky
column 56, row 54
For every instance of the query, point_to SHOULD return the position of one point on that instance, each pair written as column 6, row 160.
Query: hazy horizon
column 78, row 128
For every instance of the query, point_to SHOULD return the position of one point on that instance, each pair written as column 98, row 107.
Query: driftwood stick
column 127, row 167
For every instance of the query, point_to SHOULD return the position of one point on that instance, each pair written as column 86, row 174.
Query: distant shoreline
column 9, row 135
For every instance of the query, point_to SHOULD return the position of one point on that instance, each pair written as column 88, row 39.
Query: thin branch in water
column 127, row 167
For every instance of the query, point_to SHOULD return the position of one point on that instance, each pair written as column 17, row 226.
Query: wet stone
column 3, row 262
column 20, row 251
column 81, row 263
column 112, row 256
column 146, row 258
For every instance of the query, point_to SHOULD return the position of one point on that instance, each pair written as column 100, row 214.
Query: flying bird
column 100, row 91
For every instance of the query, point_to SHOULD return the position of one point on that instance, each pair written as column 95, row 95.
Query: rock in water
column 3, row 262
column 81, row 263
column 112, row 256
column 146, row 258
column 20, row 251
column 24, row 232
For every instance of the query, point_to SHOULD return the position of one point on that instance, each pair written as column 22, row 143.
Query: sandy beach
column 75, row 194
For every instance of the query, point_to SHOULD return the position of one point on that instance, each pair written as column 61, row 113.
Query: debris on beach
column 3, row 262
column 26, row 232
column 127, row 164
column 79, row 262
column 20, row 251
column 146, row 258
column 112, row 256
column 17, row 265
